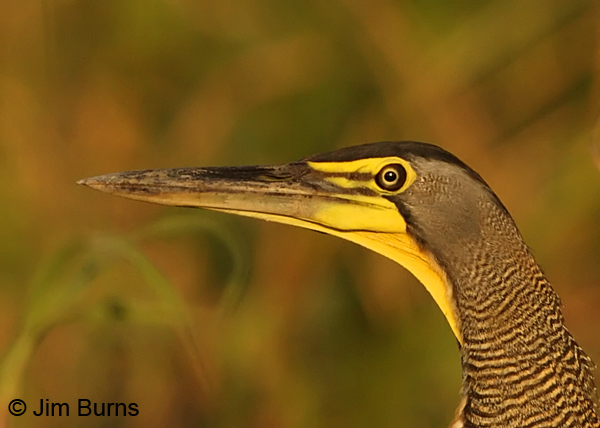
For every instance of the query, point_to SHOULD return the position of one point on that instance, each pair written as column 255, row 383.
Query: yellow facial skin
column 386, row 233
column 369, row 220
column 369, row 166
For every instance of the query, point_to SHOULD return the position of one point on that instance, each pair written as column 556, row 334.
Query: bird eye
column 391, row 177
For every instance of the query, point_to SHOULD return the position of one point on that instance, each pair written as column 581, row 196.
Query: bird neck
column 521, row 366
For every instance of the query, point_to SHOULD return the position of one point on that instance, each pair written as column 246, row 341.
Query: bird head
column 412, row 202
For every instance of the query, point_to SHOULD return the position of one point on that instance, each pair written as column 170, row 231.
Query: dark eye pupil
column 391, row 177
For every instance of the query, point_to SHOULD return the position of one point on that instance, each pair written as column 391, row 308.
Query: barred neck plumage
column 521, row 366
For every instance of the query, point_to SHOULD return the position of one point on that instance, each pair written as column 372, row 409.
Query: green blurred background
column 207, row 320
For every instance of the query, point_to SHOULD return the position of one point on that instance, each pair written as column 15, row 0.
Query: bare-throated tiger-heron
column 422, row 207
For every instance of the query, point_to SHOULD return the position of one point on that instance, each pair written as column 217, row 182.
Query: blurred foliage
column 207, row 320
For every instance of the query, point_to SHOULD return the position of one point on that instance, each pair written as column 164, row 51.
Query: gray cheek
column 446, row 213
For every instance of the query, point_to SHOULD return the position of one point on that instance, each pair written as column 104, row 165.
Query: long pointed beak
column 293, row 194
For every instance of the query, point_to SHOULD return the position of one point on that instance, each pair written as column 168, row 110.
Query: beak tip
column 98, row 183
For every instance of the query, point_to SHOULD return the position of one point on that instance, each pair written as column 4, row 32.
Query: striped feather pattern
column 521, row 366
